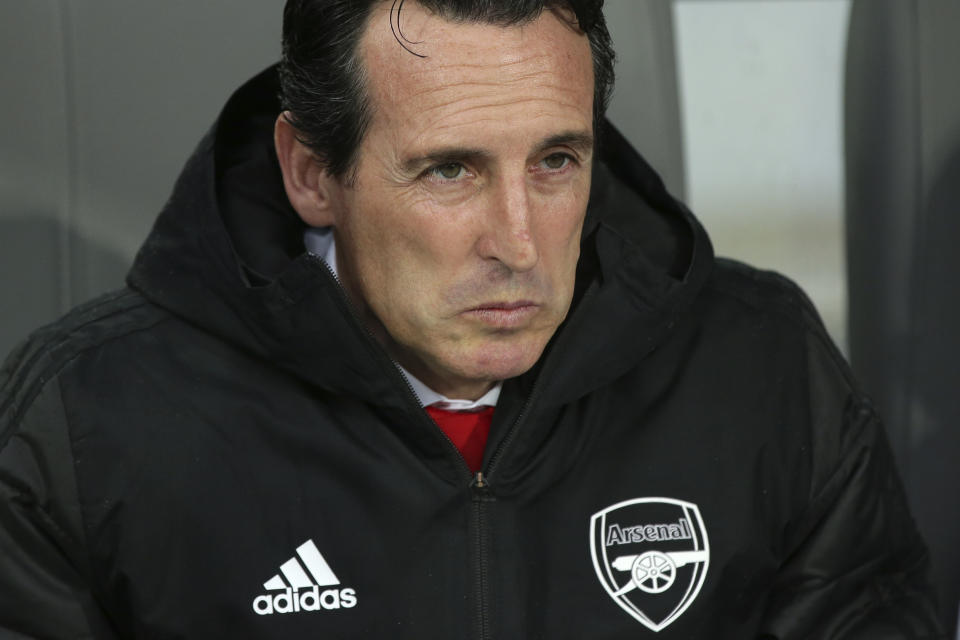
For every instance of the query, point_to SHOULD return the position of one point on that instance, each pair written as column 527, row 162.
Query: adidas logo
column 299, row 590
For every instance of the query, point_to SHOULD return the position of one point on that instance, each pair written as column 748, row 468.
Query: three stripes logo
column 298, row 586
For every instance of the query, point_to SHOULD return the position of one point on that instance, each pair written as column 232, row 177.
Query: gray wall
column 646, row 101
column 103, row 101
column 762, row 88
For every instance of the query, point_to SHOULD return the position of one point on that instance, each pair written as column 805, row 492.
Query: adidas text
column 298, row 586
column 312, row 599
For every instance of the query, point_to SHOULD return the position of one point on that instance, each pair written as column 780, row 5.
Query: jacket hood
column 226, row 254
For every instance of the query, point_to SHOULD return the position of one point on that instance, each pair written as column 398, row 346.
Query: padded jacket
column 221, row 450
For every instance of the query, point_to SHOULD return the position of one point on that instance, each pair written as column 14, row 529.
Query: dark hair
column 322, row 77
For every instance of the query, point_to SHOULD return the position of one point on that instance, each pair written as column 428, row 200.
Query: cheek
column 382, row 233
column 561, row 248
column 560, row 225
column 405, row 251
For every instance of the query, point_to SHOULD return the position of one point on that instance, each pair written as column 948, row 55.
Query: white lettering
column 330, row 599
column 263, row 605
column 614, row 535
column 310, row 600
column 282, row 603
column 648, row 532
column 293, row 601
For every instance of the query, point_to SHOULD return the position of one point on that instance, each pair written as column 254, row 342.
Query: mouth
column 503, row 315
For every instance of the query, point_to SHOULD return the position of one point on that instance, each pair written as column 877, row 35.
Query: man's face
column 460, row 235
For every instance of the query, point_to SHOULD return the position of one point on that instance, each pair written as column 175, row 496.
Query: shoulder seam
column 806, row 317
column 38, row 382
column 770, row 279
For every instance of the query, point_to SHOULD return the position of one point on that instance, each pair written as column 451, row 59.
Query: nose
column 508, row 227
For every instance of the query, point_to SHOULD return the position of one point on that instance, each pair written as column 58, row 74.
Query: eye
column 556, row 161
column 448, row 171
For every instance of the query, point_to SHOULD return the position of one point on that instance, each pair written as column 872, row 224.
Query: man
column 285, row 427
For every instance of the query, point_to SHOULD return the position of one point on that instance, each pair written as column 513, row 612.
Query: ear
column 310, row 189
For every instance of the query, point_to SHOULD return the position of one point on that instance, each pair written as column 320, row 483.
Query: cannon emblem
column 651, row 555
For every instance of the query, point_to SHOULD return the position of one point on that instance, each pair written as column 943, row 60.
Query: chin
column 499, row 361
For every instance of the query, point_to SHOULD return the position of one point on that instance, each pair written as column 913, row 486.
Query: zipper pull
column 480, row 489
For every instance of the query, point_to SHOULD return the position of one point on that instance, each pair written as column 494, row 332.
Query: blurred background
column 819, row 138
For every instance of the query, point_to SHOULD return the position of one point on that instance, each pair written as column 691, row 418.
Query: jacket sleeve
column 44, row 587
column 854, row 566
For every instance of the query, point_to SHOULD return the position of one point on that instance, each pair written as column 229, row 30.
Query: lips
column 504, row 315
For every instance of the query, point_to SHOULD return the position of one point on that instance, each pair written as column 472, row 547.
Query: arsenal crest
column 651, row 555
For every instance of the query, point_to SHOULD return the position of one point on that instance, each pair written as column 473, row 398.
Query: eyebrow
column 579, row 141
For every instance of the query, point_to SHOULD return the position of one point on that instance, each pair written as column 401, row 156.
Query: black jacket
column 690, row 453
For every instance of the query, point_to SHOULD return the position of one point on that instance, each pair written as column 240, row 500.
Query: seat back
column 903, row 224
column 103, row 102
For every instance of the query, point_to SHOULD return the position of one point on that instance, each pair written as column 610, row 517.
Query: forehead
column 427, row 76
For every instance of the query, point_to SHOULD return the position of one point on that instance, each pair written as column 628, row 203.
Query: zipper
column 481, row 498
column 480, row 495
column 480, row 492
